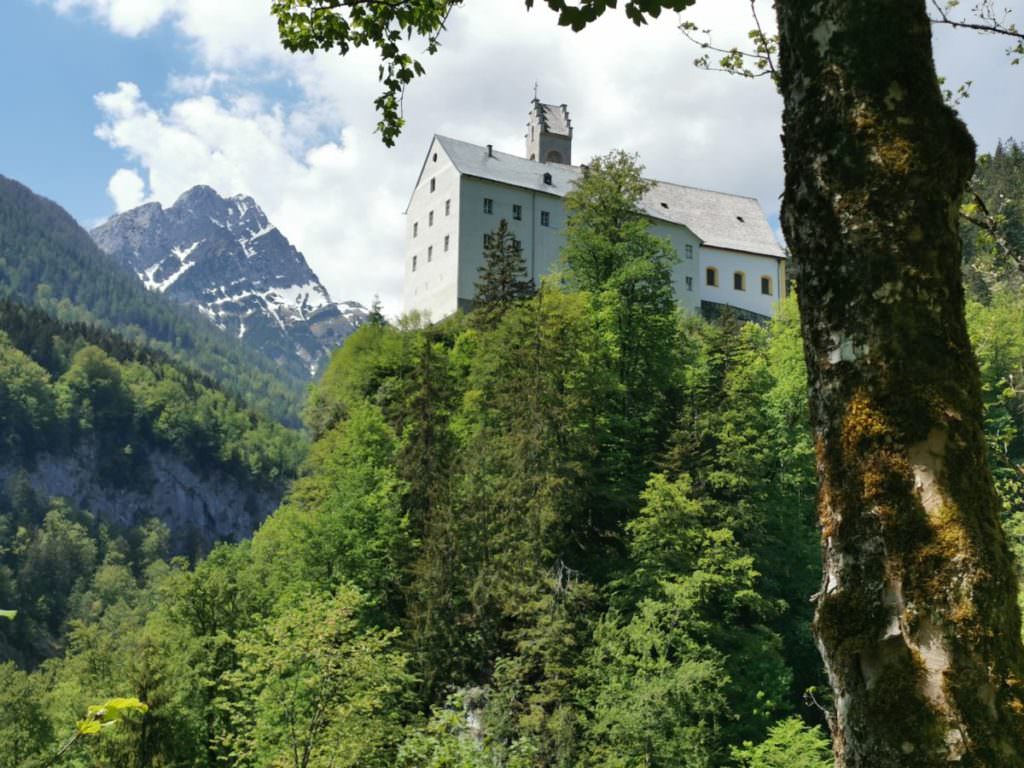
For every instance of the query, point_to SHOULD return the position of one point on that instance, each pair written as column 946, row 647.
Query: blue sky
column 110, row 103
column 53, row 66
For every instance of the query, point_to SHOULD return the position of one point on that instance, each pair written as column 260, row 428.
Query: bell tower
column 549, row 133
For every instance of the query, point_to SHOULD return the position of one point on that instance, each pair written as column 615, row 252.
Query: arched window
column 739, row 281
column 554, row 156
column 711, row 276
column 766, row 285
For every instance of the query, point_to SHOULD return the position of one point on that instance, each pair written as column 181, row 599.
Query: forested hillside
column 572, row 528
column 114, row 453
column 47, row 260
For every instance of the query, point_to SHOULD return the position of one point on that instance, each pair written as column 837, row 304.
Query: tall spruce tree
column 503, row 276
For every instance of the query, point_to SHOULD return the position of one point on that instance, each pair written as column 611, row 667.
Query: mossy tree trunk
column 917, row 619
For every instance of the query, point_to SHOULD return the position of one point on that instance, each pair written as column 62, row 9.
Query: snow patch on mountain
column 223, row 256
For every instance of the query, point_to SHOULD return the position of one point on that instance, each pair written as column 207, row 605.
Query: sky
column 106, row 104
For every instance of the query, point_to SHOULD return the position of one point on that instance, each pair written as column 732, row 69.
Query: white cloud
column 193, row 85
column 324, row 178
column 127, row 189
column 126, row 17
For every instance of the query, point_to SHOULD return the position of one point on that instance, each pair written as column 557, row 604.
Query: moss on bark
column 917, row 619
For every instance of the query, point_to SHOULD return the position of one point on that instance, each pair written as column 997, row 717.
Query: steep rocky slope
column 224, row 257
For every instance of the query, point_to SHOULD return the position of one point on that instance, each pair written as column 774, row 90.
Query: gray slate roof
column 720, row 220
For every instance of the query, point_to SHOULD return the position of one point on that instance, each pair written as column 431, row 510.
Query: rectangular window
column 766, row 286
column 488, row 205
column 517, row 212
column 430, row 253
column 447, row 207
column 545, row 219
column 413, row 263
column 430, row 219
column 433, row 184
column 689, row 251
column 446, row 243
column 415, row 228
column 711, row 276
column 689, row 283
column 739, row 281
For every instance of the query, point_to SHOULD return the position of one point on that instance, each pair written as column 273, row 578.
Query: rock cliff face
column 199, row 510
column 224, row 257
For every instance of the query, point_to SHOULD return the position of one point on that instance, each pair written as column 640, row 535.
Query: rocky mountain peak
column 223, row 256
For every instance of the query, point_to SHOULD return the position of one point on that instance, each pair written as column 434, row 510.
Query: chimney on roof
column 490, row 150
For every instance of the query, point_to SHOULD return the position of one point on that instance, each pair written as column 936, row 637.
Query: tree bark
column 917, row 618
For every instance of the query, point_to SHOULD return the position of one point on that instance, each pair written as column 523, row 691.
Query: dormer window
column 547, row 179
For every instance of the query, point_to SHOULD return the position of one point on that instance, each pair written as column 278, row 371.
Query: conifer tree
column 503, row 276
column 376, row 316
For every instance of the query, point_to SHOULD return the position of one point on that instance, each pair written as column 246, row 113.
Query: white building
column 728, row 255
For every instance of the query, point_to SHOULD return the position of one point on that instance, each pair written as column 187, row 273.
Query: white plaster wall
column 541, row 245
column 438, row 286
column 432, row 288
column 754, row 266
column 680, row 237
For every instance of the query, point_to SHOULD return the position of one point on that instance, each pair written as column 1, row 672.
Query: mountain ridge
column 47, row 260
column 223, row 256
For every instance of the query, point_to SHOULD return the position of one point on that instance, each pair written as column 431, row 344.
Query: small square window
column 430, row 219
column 446, row 243
column 413, row 263
column 689, row 251
column 689, row 283
column 433, row 184
column 517, row 212
column 488, row 205
column 447, row 207
column 415, row 228
column 545, row 219
column 766, row 286
column 430, row 253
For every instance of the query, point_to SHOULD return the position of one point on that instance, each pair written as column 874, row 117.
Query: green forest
column 47, row 260
column 67, row 387
column 570, row 528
